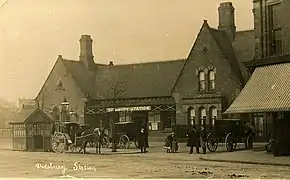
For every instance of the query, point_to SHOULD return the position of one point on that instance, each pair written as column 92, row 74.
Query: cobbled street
column 129, row 164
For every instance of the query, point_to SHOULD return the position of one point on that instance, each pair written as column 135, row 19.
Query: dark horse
column 91, row 135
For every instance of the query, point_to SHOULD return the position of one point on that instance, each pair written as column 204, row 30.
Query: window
column 201, row 81
column 277, row 42
column 259, row 124
column 275, row 37
column 211, row 82
column 191, row 116
column 202, row 113
column 124, row 117
column 213, row 114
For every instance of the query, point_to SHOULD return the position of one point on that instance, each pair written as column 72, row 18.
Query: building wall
column 227, row 84
column 281, row 16
column 48, row 96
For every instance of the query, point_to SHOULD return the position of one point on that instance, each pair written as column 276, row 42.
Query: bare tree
column 115, row 89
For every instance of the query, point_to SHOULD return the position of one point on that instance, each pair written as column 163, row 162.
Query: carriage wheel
column 136, row 142
column 74, row 148
column 249, row 142
column 230, row 142
column 212, row 142
column 106, row 142
column 58, row 142
column 124, row 142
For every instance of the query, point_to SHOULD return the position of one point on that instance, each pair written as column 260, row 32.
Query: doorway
column 38, row 141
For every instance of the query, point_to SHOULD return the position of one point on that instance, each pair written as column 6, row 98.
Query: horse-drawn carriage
column 74, row 137
column 127, row 133
column 230, row 132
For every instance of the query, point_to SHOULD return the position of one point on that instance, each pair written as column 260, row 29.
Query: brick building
column 163, row 93
column 266, row 95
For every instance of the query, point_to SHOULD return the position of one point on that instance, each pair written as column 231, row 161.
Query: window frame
column 211, row 82
column 201, row 81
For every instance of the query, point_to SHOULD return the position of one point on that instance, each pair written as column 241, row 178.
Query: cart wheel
column 136, row 142
column 212, row 142
column 58, row 142
column 124, row 142
column 106, row 142
column 249, row 142
column 230, row 142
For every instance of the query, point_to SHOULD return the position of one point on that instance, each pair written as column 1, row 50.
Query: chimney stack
column 86, row 51
column 111, row 63
column 227, row 19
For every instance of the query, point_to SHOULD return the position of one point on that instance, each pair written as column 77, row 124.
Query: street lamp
column 64, row 110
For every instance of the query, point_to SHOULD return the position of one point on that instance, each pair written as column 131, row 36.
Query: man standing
column 203, row 139
column 142, row 140
column 193, row 140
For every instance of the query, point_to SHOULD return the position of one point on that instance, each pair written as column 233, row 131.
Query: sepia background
column 34, row 32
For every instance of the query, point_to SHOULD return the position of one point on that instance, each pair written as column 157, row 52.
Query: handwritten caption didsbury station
column 77, row 166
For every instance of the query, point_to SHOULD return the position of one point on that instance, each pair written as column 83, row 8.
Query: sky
column 34, row 32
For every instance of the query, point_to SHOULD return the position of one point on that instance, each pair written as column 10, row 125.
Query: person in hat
column 193, row 140
column 142, row 140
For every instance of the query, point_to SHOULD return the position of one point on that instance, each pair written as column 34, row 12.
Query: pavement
column 129, row 163
column 255, row 156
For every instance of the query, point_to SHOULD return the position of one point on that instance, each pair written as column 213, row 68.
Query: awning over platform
column 268, row 90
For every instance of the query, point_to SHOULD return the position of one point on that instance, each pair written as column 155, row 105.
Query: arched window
column 191, row 112
column 211, row 77
column 201, row 81
column 202, row 113
column 213, row 115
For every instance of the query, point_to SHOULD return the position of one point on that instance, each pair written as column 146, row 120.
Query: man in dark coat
column 142, row 140
column 193, row 140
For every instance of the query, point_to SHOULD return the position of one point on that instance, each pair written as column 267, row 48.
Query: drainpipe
column 262, row 29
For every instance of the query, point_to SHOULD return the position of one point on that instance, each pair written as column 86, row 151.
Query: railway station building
column 194, row 90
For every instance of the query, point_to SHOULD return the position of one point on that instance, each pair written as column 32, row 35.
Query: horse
column 89, row 136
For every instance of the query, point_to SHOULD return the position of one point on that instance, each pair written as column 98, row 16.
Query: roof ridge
column 151, row 62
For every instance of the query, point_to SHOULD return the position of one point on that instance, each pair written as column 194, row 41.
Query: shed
column 31, row 130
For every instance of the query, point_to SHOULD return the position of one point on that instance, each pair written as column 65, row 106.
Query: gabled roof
column 24, row 115
column 226, row 48
column 81, row 75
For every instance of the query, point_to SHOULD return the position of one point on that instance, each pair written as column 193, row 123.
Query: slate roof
column 24, row 115
column 151, row 79
column 226, row 48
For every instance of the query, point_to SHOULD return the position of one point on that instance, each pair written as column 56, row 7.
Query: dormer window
column 211, row 78
column 201, row 81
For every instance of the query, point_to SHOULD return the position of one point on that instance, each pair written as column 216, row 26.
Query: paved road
column 128, row 164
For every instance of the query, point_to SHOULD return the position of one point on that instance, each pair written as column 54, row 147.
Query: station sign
column 137, row 108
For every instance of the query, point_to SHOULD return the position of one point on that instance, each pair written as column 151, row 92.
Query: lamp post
column 64, row 110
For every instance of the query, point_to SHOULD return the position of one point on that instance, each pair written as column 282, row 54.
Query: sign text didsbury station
column 139, row 108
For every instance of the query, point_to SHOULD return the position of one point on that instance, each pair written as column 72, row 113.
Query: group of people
column 196, row 138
